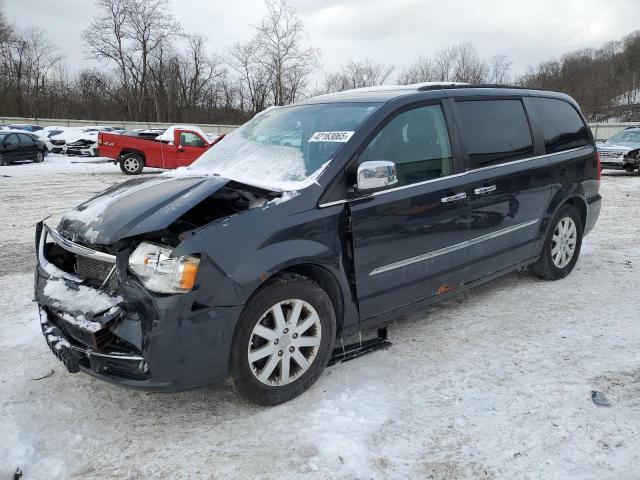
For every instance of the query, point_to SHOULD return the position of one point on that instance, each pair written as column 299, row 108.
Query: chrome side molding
column 452, row 248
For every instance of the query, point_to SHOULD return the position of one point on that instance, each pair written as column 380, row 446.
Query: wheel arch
column 127, row 151
column 328, row 282
column 575, row 199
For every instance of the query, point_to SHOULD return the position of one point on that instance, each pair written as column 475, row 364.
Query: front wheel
column 562, row 245
column 131, row 164
column 3, row 161
column 283, row 340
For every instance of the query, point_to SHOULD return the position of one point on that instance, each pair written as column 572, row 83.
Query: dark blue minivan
column 309, row 224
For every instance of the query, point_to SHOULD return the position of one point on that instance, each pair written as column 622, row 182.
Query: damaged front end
column 116, row 303
column 82, row 317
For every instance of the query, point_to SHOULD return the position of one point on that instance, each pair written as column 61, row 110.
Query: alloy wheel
column 284, row 342
column 131, row 164
column 563, row 242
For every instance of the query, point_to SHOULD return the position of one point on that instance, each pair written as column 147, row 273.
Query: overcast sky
column 394, row 32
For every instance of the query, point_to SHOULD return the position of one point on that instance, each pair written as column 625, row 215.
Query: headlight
column 161, row 273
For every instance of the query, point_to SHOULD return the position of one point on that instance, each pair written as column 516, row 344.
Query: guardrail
column 601, row 131
column 65, row 122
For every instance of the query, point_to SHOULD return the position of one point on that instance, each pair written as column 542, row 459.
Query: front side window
column 562, row 127
column 285, row 147
column 495, row 131
column 417, row 141
column 189, row 139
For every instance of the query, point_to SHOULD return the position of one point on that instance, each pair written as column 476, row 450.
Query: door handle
column 454, row 198
column 484, row 190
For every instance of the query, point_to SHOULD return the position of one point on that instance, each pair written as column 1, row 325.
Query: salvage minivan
column 310, row 224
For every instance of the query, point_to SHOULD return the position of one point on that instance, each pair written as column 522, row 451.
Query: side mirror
column 376, row 174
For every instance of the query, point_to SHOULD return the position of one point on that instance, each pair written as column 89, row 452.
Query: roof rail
column 443, row 86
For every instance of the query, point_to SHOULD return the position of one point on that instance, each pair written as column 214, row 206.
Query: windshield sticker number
column 331, row 137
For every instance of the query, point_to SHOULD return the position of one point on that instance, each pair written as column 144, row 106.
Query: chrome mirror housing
column 376, row 174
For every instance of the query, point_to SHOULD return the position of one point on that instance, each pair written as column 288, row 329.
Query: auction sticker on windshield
column 331, row 136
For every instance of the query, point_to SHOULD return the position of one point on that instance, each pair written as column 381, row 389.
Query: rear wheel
column 3, row 161
column 283, row 340
column 131, row 164
column 38, row 157
column 562, row 245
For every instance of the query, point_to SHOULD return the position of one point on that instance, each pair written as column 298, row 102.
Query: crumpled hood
column 620, row 147
column 136, row 207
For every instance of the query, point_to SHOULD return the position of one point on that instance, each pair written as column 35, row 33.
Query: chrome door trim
column 419, row 258
column 504, row 231
column 468, row 172
column 452, row 248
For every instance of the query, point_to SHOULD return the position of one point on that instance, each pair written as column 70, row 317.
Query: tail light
column 598, row 167
column 99, row 139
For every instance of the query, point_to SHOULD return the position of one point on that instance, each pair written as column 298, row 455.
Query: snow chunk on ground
column 85, row 299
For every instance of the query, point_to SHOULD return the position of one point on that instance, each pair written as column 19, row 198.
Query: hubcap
column 563, row 242
column 284, row 342
column 131, row 164
column 39, row 157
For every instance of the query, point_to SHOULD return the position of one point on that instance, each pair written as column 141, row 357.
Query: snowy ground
column 496, row 384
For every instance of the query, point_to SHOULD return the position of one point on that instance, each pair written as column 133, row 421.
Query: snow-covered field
column 495, row 384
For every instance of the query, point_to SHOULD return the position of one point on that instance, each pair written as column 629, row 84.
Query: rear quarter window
column 561, row 125
column 495, row 131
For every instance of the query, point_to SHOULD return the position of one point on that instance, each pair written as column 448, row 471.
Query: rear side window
column 562, row 127
column 495, row 131
column 24, row 138
column 11, row 140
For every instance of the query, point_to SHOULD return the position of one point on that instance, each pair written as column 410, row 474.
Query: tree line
column 151, row 70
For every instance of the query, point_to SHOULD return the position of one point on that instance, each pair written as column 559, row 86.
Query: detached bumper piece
column 76, row 356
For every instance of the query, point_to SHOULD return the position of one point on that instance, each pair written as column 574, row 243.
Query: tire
column 38, row 157
column 131, row 164
column 260, row 379
column 553, row 264
column 3, row 161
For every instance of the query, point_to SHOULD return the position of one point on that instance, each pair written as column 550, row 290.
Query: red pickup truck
column 176, row 147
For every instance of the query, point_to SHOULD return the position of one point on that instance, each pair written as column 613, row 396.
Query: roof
column 383, row 93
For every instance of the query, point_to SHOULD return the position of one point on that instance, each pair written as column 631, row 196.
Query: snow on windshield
column 284, row 148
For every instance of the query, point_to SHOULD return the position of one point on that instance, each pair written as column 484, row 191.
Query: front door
column 12, row 149
column 409, row 240
column 190, row 148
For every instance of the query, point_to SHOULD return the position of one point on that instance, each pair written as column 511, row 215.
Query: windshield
column 285, row 147
column 626, row 136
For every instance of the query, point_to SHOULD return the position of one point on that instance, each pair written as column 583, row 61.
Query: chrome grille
column 604, row 155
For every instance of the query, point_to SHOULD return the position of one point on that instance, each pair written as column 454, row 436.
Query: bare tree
column 499, row 70
column 127, row 33
column 422, row 70
column 280, row 50
column 356, row 75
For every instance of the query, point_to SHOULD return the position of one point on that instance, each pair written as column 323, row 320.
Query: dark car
column 310, row 224
column 21, row 146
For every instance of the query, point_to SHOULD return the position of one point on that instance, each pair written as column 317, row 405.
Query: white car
column 79, row 140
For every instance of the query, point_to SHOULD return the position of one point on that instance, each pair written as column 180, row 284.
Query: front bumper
column 146, row 341
column 81, row 152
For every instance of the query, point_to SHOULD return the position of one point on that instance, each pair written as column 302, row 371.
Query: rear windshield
column 285, row 147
